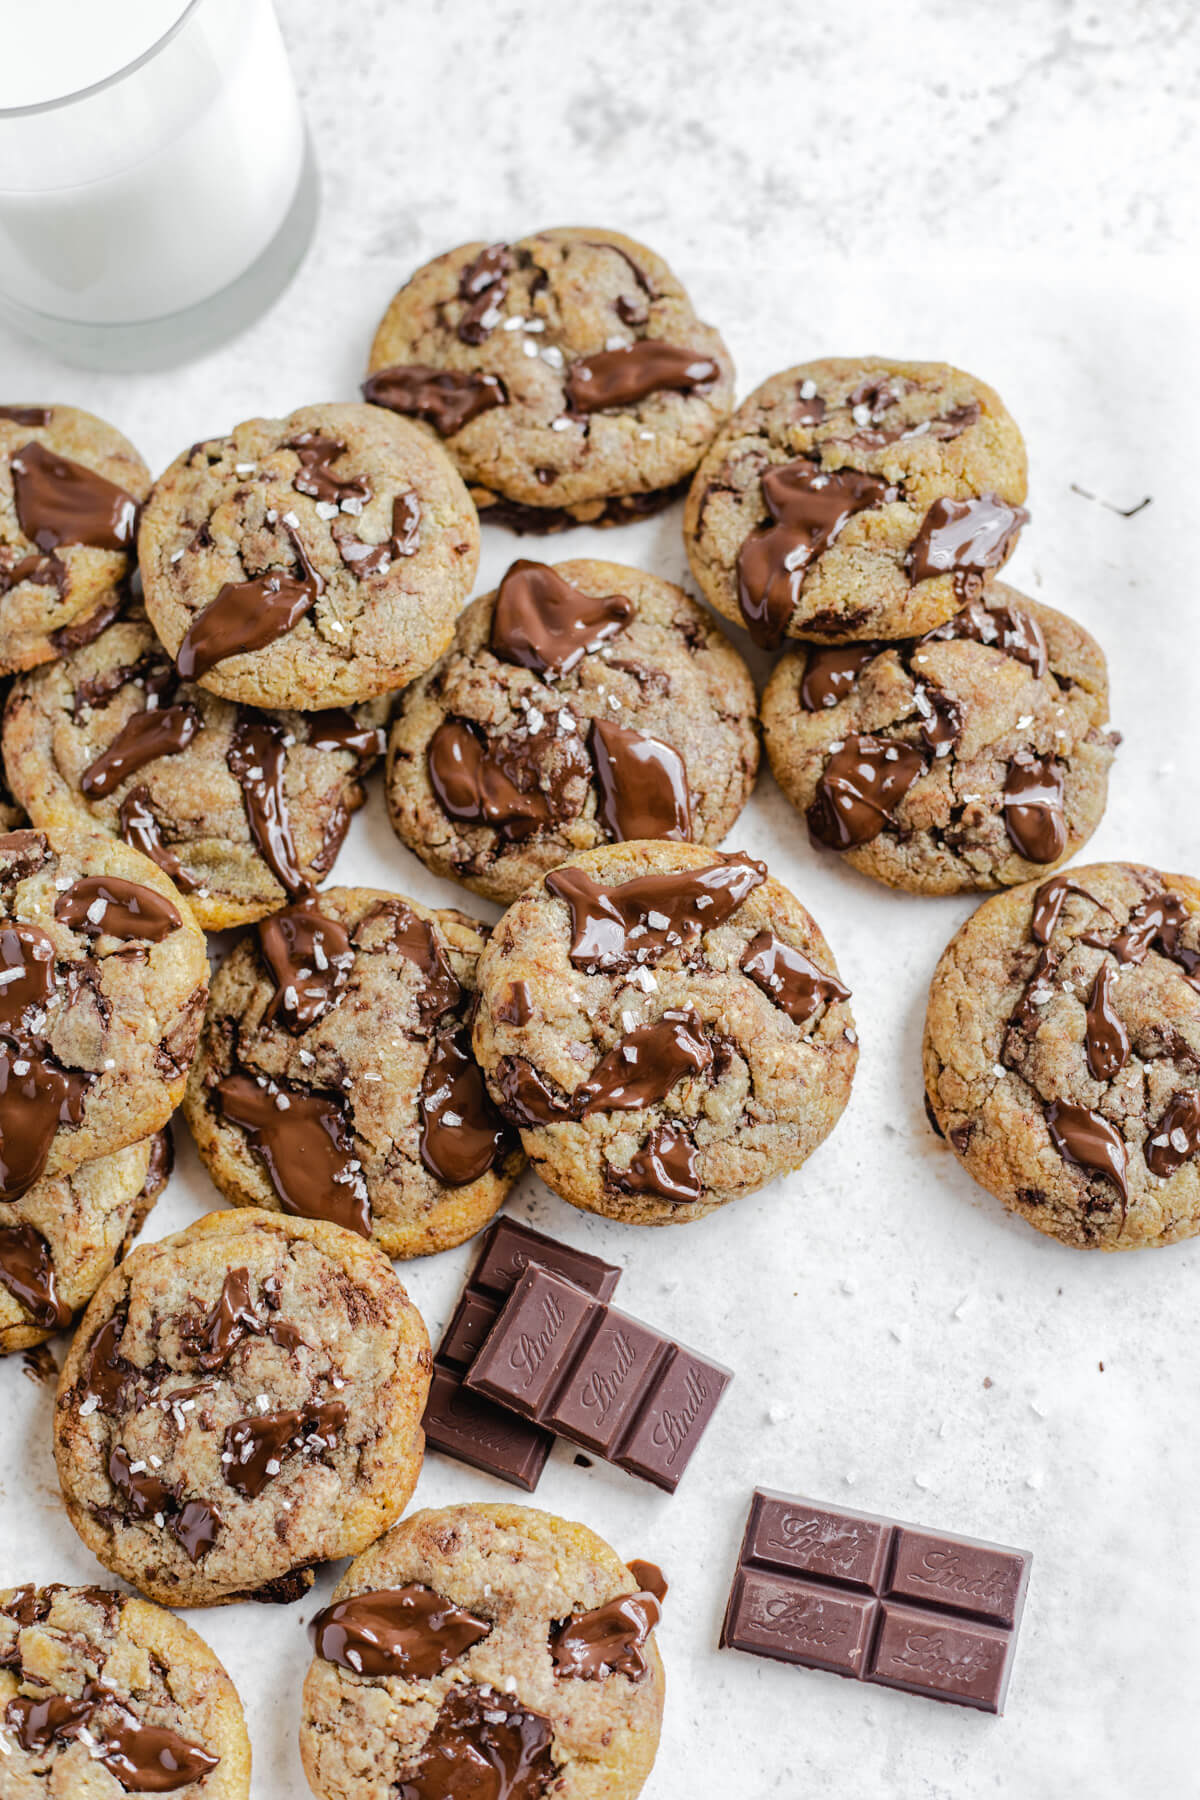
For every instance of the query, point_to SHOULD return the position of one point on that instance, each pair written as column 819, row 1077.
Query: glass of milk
column 157, row 187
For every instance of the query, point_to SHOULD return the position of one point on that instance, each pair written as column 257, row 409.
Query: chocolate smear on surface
column 1084, row 1137
column 27, row 1273
column 110, row 906
column 642, row 1068
column 860, row 787
column 247, row 616
column 1033, row 807
column 484, row 1745
column 607, row 1640
column 141, row 740
column 664, row 1166
column 1176, row 1137
column 140, row 828
column 462, row 1135
column 1106, row 1041
column 831, row 672
column 642, row 782
column 623, row 377
column 966, row 539
column 315, row 476
column 638, row 921
column 544, row 623
column 310, row 958
column 483, row 284
column 234, row 1319
column 257, row 1445
column 1002, row 625
column 257, row 760
column 306, row 1143
column 62, row 502
column 789, row 977
column 447, row 399
column 362, row 559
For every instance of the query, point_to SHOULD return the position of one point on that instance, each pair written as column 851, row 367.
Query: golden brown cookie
column 489, row 1650
column 237, row 805
column 666, row 1027
column 335, row 1078
column 577, row 705
column 309, row 562
column 61, row 1238
column 566, row 373
column 70, row 487
column 974, row 757
column 103, row 1695
column 856, row 497
column 1062, row 1054
column 241, row 1402
column 103, row 982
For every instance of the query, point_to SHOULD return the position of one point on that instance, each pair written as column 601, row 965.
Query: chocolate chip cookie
column 974, row 757
column 62, row 1237
column 240, row 807
column 666, row 1027
column 335, row 1078
column 312, row 561
column 567, row 375
column 70, row 487
column 1062, row 1054
column 856, row 497
column 103, row 982
column 103, row 1695
column 578, row 705
column 13, row 816
column 486, row 1650
column 241, row 1402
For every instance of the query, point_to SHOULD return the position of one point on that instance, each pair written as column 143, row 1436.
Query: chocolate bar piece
column 563, row 1359
column 877, row 1600
column 465, row 1425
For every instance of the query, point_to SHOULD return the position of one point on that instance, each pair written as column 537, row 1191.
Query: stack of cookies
column 201, row 675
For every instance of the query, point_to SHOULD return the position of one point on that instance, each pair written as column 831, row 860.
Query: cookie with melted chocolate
column 578, row 705
column 93, row 1680
column 308, row 562
column 70, row 489
column 103, row 983
column 974, row 757
column 666, row 1027
column 241, row 1402
column 485, row 1649
column 335, row 1078
column 856, row 497
column 238, row 806
column 61, row 1238
column 1062, row 1054
column 566, row 373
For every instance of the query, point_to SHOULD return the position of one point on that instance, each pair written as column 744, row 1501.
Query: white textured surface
column 954, row 181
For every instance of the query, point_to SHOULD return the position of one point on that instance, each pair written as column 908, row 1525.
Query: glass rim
column 98, row 87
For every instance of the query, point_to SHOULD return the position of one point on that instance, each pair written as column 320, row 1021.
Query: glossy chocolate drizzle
column 809, row 507
column 109, row 906
column 544, row 623
column 1176, row 1137
column 337, row 729
column 484, row 1745
column 642, row 782
column 248, row 615
column 1048, row 903
column 106, row 1373
column 255, row 1446
column 194, row 1524
column 1084, row 1137
column 790, row 978
column 462, row 1135
column 306, row 1144
column 143, row 1759
column 234, row 1319
column 645, row 1064
column 607, row 1640
column 310, row 957
column 1033, row 807
column 140, row 828
column 509, row 785
column 37, row 1094
column 257, row 759
column 141, row 740
column 483, row 284
column 447, row 399
column 831, row 672
column 27, row 1273
column 625, row 376
column 616, row 926
column 410, row 1632
column 62, row 502
column 1106, row 1041
column 966, row 539
column 664, row 1166
column 860, row 787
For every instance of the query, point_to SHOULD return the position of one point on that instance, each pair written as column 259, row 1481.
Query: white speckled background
column 948, row 179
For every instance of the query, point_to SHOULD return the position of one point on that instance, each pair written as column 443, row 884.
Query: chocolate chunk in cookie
column 856, row 498
column 578, row 705
column 309, row 562
column 514, row 1654
column 241, row 1402
column 1062, row 1054
column 666, row 1027
column 566, row 373
column 970, row 758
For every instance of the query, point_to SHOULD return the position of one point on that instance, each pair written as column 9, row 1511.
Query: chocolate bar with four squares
column 565, row 1360
column 465, row 1425
column 877, row 1600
